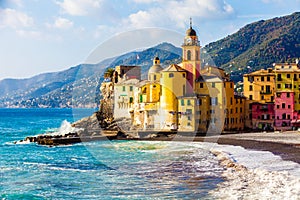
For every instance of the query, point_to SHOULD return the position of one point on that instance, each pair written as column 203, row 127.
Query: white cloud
column 14, row 19
column 17, row 2
column 29, row 34
column 62, row 23
column 80, row 7
column 178, row 12
column 145, row 1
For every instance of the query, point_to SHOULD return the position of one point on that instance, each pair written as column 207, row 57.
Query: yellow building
column 288, row 80
column 183, row 97
column 193, row 115
column 173, row 85
column 259, row 86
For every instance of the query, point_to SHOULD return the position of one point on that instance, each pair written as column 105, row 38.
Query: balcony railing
column 266, row 92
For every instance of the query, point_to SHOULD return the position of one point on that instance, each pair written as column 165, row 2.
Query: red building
column 263, row 115
column 284, row 110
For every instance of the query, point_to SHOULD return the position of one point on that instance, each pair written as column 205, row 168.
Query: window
column 250, row 97
column 278, row 106
column 232, row 100
column 124, row 88
column 236, row 110
column 231, row 85
column 154, row 77
column 268, row 78
column 189, row 111
column 182, row 102
column 279, row 77
column 289, row 106
column 283, row 116
column 288, row 85
column 241, row 110
column 214, row 101
column 171, row 75
column 262, row 87
column 283, row 106
column 199, row 102
column 250, row 88
column 289, row 116
column 183, row 89
column 201, row 85
column 278, row 86
column 188, row 102
column 262, row 97
column 288, row 76
column 288, row 95
column 262, row 78
column 189, row 55
column 131, row 88
column 183, row 75
column 213, row 85
column 268, row 88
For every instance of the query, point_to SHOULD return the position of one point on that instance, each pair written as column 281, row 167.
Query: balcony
column 266, row 92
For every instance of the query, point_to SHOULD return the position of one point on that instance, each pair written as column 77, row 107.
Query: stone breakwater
column 84, row 130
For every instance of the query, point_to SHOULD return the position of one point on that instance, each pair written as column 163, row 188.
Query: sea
column 130, row 169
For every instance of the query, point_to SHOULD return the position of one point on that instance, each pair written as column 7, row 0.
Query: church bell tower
column 191, row 55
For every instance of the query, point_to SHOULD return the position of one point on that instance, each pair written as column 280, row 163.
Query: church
column 185, row 97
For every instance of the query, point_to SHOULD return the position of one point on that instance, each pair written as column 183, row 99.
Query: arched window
column 189, row 55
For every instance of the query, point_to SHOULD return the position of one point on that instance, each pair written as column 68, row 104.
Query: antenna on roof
column 190, row 22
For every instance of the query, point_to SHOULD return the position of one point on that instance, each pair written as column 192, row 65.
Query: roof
column 262, row 72
column 210, row 78
column 174, row 68
column 155, row 69
column 128, row 82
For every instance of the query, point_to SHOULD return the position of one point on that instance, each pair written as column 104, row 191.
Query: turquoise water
column 97, row 170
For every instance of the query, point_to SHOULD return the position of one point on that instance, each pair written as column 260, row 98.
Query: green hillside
column 258, row 45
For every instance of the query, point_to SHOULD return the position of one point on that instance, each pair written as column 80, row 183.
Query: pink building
column 262, row 116
column 284, row 110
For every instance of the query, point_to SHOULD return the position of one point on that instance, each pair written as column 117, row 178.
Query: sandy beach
column 284, row 144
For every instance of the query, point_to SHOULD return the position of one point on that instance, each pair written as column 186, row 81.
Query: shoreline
column 286, row 144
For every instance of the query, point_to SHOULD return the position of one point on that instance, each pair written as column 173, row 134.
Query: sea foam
column 255, row 180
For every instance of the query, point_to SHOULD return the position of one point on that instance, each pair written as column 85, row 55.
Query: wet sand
column 285, row 144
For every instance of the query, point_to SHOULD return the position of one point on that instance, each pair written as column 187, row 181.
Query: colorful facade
column 183, row 97
column 276, row 91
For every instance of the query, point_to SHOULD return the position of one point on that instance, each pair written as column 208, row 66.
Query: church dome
column 191, row 32
column 156, row 66
column 155, row 69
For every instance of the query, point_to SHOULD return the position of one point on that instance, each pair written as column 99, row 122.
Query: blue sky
column 40, row 36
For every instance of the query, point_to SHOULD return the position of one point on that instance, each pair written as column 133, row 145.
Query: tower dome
column 153, row 73
column 191, row 31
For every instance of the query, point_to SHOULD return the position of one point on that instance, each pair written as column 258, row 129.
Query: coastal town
column 188, row 97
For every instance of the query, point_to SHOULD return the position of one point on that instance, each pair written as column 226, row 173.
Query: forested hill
column 258, row 45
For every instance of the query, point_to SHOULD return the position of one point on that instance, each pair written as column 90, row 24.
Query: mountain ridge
column 255, row 46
